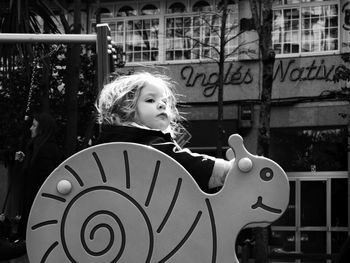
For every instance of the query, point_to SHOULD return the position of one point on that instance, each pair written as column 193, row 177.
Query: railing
column 302, row 256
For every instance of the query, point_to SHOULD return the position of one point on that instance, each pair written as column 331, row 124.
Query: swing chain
column 31, row 88
column 32, row 80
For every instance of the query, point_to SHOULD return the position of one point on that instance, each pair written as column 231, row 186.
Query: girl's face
column 34, row 128
column 152, row 109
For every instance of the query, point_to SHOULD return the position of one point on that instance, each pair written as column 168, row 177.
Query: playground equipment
column 102, row 39
column 125, row 202
column 105, row 62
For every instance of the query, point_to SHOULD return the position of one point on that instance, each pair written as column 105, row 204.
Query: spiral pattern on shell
column 103, row 233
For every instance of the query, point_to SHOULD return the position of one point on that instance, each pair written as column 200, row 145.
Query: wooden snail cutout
column 125, row 202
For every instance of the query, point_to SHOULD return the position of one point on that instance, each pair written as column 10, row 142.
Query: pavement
column 23, row 259
column 3, row 191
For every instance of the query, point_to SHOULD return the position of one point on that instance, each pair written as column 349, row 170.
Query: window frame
column 211, row 37
column 154, row 4
column 107, row 6
column 123, row 6
column 125, row 21
column 209, row 2
column 192, row 14
column 170, row 3
column 299, row 6
column 162, row 17
column 298, row 178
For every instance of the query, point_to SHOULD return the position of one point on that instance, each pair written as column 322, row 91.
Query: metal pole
column 47, row 38
column 103, row 33
column 100, row 40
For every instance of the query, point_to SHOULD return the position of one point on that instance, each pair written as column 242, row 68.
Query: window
column 137, row 36
column 315, row 221
column 339, row 202
column 185, row 36
column 150, row 10
column 198, row 36
column 201, row 6
column 305, row 26
column 178, row 38
column 105, row 12
column 176, row 8
column 313, row 209
column 141, row 40
column 322, row 149
column 126, row 11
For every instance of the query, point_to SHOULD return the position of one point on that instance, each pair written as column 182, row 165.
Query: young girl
column 141, row 108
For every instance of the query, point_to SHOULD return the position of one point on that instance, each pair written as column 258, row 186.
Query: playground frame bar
column 100, row 39
column 48, row 38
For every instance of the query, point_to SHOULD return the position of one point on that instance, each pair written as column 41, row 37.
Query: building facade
column 309, row 121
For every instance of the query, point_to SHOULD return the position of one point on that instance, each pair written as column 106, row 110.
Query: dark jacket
column 37, row 170
column 199, row 166
column 34, row 173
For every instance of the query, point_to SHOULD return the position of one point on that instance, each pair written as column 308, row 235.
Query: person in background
column 141, row 108
column 41, row 157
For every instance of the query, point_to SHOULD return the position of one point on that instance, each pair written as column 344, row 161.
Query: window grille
column 305, row 26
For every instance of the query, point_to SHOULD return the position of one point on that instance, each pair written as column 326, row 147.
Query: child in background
column 141, row 108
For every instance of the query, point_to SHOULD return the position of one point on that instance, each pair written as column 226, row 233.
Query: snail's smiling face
column 262, row 185
column 267, row 178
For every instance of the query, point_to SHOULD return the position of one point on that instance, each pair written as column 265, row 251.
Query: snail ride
column 125, row 202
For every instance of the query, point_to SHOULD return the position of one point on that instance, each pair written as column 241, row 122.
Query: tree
column 219, row 24
column 224, row 40
column 13, row 57
column 342, row 75
column 262, row 19
column 262, row 23
column 22, row 16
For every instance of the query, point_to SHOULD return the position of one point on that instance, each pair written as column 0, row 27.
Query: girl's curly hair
column 116, row 104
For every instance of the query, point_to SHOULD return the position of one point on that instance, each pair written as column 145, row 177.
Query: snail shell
column 125, row 202
column 116, row 203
